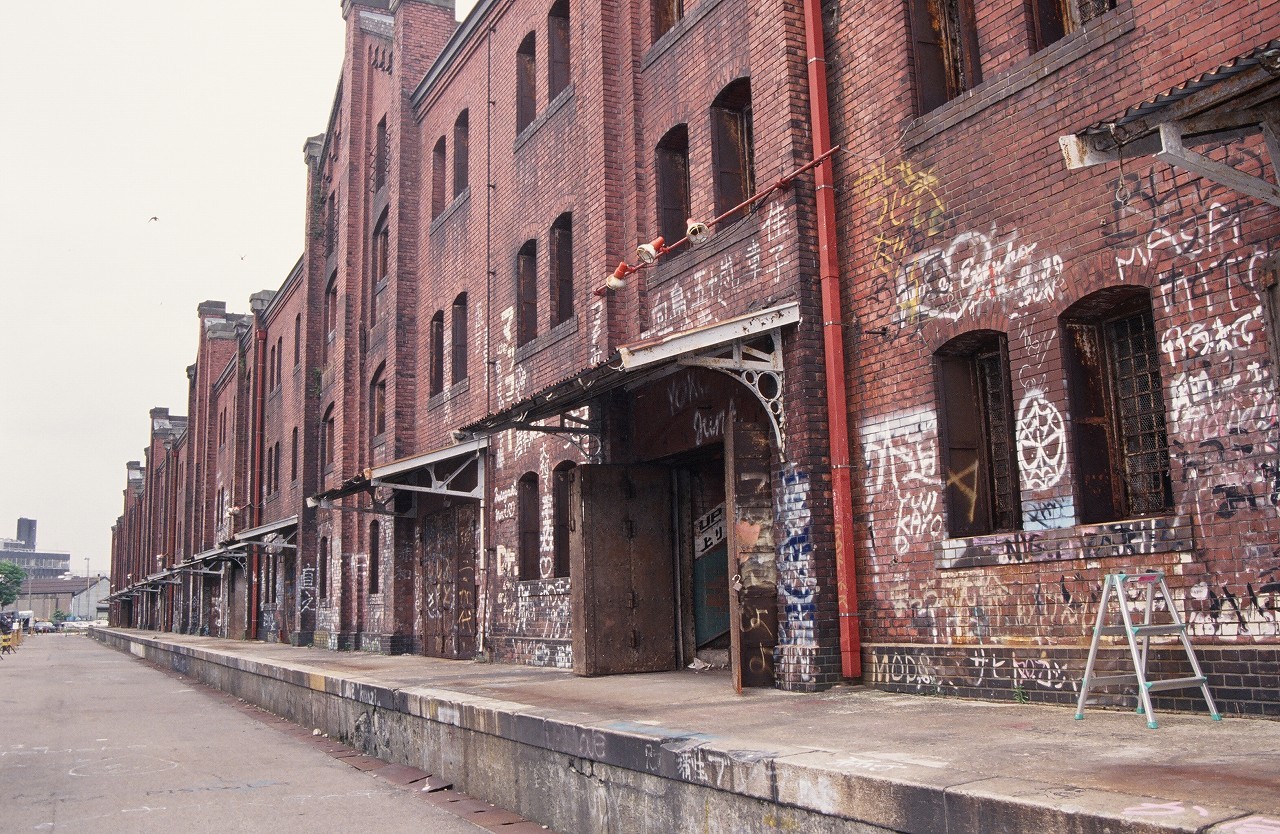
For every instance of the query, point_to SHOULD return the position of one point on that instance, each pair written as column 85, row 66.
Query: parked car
column 44, row 627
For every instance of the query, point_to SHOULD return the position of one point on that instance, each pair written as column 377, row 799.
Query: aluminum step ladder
column 1116, row 585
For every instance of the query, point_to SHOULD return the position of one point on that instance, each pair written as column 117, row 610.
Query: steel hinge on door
column 628, row 528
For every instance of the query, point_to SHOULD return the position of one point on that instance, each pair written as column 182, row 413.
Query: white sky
column 112, row 113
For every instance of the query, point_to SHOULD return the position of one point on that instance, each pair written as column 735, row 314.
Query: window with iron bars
column 980, row 475
column 945, row 50
column 1121, row 449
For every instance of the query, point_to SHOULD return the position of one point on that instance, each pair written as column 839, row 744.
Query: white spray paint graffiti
column 1042, row 448
column 795, row 580
column 902, row 458
column 976, row 269
column 695, row 300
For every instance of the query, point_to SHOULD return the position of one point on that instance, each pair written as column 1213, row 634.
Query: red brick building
column 1062, row 370
column 476, row 420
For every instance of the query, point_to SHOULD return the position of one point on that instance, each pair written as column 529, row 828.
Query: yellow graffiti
column 907, row 210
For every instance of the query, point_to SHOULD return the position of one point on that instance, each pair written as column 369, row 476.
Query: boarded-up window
column 945, row 41
column 1121, row 455
column 327, row 440
column 461, row 153
column 562, row 269
column 672, row 174
column 381, row 154
column 378, row 404
column 528, row 520
column 527, row 293
column 436, row 381
column 293, row 456
column 439, row 159
column 665, row 15
column 459, row 338
column 731, row 145
column 557, row 49
column 980, row 477
column 526, row 83
column 561, row 479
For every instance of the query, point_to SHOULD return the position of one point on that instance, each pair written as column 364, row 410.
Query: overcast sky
column 112, row 113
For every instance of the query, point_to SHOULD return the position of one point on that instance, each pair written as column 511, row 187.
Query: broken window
column 526, row 83
column 436, row 378
column 527, row 518
column 672, row 173
column 665, row 15
column 461, row 153
column 557, row 49
column 561, row 479
column 459, row 339
column 1111, row 357
column 1052, row 20
column 979, row 473
column 945, row 41
column 527, row 293
column 562, row 269
column 439, row 158
column 731, row 145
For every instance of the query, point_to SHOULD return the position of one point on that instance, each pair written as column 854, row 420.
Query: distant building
column 72, row 595
column 39, row 564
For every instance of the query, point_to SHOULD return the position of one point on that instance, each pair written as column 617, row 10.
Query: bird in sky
column 152, row 219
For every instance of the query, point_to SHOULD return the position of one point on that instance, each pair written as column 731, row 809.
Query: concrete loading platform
column 680, row 752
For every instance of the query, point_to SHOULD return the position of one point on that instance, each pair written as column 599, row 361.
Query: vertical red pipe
column 255, row 477
column 833, row 343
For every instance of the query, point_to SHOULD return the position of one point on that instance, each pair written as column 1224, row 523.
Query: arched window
column 330, row 314
column 439, row 158
column 375, row 547
column 976, row 428
column 436, row 379
column 279, row 360
column 562, row 269
column 1111, row 355
column 731, row 145
column 561, row 482
column 529, row 522
column 461, row 153
column 459, row 338
column 526, row 83
column 378, row 403
column 527, row 293
column 380, row 262
column 293, row 456
column 381, row 154
column 327, row 439
column 672, row 170
column 557, row 49
column 297, row 339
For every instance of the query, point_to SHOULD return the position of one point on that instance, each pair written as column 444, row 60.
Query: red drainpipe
column 833, row 343
column 259, row 363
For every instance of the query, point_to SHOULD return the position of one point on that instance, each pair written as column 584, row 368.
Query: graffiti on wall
column 698, row 297
column 907, row 210
column 796, row 582
column 972, row 271
column 979, row 668
column 307, row 590
column 901, row 456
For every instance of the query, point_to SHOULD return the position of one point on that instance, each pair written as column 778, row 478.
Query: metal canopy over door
column 449, row 581
column 620, row 551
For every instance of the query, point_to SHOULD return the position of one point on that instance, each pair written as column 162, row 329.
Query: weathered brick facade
column 446, row 393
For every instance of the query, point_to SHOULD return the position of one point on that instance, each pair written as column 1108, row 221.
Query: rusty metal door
column 449, row 582
column 621, row 560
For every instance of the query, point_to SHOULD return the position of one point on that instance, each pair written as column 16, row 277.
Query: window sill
column 561, row 331
column 450, row 210
column 681, row 27
column 1129, row 537
column 1036, row 67
column 559, row 103
column 455, row 390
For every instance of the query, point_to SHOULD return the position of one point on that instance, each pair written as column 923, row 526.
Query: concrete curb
column 584, row 774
